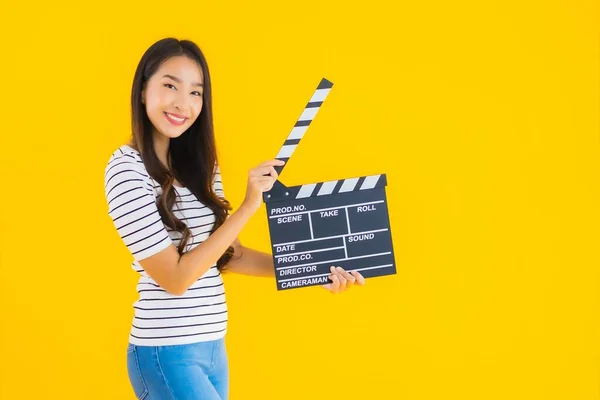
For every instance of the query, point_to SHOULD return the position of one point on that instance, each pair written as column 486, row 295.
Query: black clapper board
column 315, row 226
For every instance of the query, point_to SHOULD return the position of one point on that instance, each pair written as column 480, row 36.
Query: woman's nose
column 182, row 104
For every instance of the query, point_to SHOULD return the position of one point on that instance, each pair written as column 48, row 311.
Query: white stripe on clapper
column 370, row 182
column 306, row 190
column 327, row 188
column 319, row 95
column 286, row 151
column 348, row 185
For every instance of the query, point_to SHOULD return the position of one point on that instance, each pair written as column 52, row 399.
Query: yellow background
column 484, row 116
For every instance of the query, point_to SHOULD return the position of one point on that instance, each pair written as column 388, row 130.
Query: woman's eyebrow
column 176, row 79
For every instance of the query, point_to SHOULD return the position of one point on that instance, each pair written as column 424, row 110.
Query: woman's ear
column 143, row 96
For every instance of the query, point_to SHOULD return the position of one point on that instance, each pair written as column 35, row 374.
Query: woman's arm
column 173, row 272
column 247, row 261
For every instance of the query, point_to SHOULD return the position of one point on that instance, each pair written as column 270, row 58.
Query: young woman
column 166, row 199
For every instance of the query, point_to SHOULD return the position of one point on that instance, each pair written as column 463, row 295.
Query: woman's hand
column 260, row 180
column 342, row 280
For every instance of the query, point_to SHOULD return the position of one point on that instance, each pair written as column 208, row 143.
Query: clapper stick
column 302, row 124
column 291, row 142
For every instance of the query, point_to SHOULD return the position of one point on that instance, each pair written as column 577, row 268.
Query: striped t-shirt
column 160, row 318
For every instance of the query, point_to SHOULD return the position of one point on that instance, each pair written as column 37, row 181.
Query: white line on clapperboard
column 312, row 235
column 316, row 276
column 339, row 259
column 325, row 209
column 312, row 251
column 343, row 240
column 329, row 237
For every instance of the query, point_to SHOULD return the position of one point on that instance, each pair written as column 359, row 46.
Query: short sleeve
column 132, row 208
column 218, row 183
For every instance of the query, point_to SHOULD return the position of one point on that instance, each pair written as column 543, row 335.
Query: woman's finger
column 343, row 280
column 335, row 282
column 350, row 279
column 264, row 182
column 261, row 171
column 273, row 162
column 261, row 180
column 359, row 278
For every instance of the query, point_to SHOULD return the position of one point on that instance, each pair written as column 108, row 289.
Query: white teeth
column 174, row 118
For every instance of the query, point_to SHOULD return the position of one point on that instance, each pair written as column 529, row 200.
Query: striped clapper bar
column 314, row 226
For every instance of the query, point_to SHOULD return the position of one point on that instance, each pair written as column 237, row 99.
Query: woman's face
column 173, row 96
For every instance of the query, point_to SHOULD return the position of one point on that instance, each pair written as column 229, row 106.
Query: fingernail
column 340, row 269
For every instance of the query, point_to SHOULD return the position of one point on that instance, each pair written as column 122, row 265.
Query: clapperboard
column 337, row 223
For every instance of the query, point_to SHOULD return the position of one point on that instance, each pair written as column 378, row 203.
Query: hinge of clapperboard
column 280, row 192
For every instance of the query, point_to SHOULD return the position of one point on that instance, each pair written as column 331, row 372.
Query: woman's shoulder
column 124, row 149
column 124, row 157
column 125, row 153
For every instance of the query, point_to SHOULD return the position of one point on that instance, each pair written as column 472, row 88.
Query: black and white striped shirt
column 160, row 318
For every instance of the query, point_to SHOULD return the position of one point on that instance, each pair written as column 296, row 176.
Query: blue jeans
column 179, row 372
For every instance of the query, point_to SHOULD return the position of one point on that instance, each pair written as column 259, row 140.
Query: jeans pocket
column 135, row 375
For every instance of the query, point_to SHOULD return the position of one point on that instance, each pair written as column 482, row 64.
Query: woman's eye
column 169, row 85
column 197, row 93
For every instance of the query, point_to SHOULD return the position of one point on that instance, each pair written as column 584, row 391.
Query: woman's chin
column 172, row 133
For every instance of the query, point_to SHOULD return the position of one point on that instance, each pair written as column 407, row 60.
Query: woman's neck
column 161, row 147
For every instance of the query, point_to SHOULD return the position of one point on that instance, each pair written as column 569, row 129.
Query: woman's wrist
column 247, row 209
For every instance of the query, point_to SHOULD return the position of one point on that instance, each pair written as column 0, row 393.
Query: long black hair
column 192, row 156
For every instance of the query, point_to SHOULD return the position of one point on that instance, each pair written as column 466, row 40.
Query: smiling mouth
column 175, row 120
